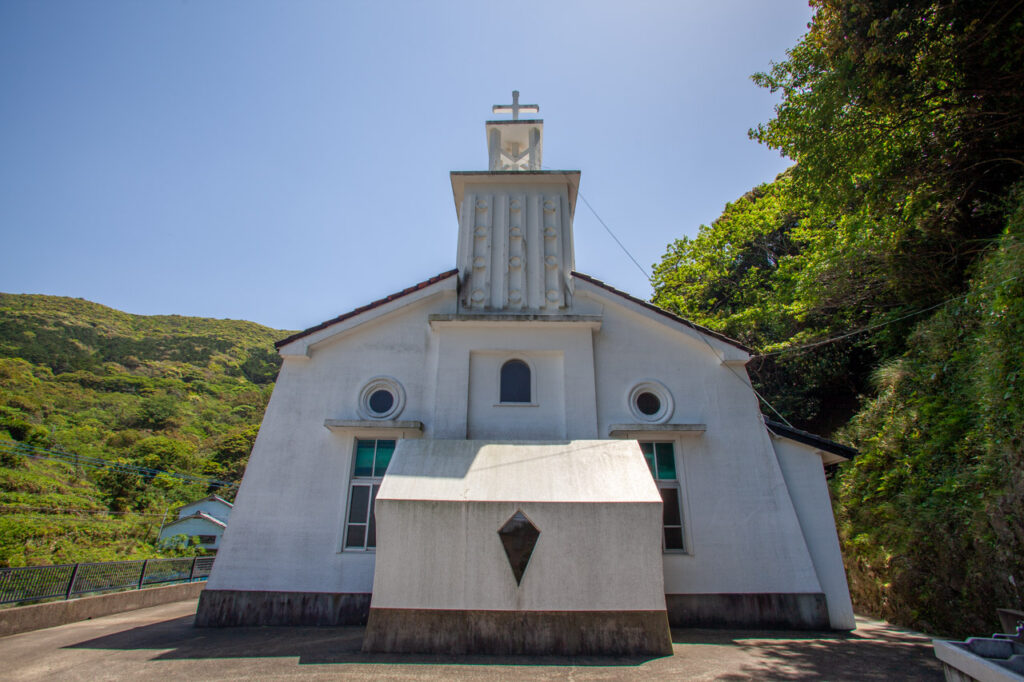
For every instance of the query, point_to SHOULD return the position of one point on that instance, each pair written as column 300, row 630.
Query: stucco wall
column 544, row 415
column 286, row 528
column 805, row 479
column 743, row 531
column 588, row 557
column 743, row 535
column 593, row 502
column 561, row 351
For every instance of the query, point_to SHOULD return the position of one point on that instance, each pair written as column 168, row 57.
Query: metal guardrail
column 33, row 583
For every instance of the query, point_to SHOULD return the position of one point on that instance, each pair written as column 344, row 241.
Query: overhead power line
column 648, row 278
column 64, row 510
column 612, row 234
column 879, row 325
column 609, row 230
column 37, row 452
column 791, row 349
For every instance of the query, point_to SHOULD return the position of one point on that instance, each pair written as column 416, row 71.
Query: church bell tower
column 515, row 253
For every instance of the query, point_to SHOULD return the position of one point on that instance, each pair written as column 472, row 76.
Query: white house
column 513, row 456
column 203, row 519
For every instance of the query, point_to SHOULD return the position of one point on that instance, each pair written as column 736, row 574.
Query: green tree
column 231, row 454
column 158, row 412
column 904, row 120
column 880, row 277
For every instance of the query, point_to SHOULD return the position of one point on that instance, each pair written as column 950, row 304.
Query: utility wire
column 609, row 230
column 815, row 344
column 19, row 507
column 791, row 349
column 37, row 452
column 648, row 278
column 748, row 384
column 622, row 246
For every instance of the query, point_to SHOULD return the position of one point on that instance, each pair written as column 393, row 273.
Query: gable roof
column 369, row 306
column 208, row 498
column 661, row 311
column 838, row 449
column 454, row 271
column 201, row 516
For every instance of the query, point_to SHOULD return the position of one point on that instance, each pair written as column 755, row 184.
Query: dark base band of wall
column 223, row 608
column 779, row 611
column 564, row 633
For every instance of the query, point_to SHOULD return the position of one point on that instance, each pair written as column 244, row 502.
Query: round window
column 381, row 398
column 381, row 401
column 650, row 401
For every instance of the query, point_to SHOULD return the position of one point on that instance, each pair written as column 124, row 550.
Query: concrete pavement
column 160, row 642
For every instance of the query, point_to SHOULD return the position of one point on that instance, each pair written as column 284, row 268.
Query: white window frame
column 366, row 482
column 676, row 484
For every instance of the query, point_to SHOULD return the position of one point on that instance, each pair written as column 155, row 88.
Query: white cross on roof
column 515, row 107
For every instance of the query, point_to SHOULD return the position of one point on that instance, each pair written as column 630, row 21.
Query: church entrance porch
column 525, row 548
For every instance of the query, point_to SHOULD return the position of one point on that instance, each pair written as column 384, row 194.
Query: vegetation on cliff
column 881, row 279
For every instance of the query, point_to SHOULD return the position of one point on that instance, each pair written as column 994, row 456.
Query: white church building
column 514, row 457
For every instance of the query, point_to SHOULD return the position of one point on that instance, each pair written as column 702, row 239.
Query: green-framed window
column 371, row 462
column 661, row 459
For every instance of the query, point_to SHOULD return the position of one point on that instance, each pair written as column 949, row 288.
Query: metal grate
column 109, row 575
column 33, row 583
column 167, row 571
column 203, row 567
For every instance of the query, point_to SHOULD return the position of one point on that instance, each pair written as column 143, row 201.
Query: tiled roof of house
column 198, row 515
column 212, row 498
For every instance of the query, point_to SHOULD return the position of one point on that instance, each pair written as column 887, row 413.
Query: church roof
column 662, row 311
column 369, row 306
column 844, row 451
column 578, row 471
column 451, row 273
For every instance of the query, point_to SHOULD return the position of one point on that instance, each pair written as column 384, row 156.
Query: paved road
column 160, row 643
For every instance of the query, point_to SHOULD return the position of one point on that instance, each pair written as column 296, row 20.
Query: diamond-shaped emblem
column 519, row 537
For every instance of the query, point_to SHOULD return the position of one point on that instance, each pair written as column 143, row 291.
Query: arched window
column 515, row 382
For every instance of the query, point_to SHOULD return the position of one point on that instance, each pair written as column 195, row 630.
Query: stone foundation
column 565, row 633
column 775, row 611
column 223, row 608
column 499, row 631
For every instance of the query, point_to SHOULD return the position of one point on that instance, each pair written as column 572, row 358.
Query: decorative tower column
column 515, row 222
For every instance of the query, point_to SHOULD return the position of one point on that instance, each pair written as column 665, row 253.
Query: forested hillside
column 162, row 393
column 882, row 280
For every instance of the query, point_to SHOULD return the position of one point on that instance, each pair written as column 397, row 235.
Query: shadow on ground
column 311, row 645
column 874, row 652
column 870, row 653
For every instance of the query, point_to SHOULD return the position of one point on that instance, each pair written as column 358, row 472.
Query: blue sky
column 284, row 162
